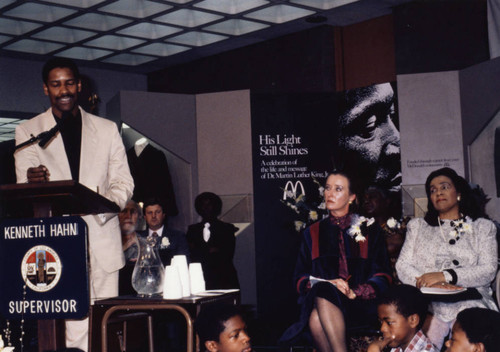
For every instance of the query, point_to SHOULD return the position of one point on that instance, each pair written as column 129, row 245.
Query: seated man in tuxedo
column 169, row 242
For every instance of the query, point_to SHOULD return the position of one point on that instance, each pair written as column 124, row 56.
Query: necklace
column 459, row 227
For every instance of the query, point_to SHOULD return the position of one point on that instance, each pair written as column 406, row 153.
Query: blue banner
column 43, row 268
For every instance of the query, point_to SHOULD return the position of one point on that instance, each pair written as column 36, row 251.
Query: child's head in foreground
column 401, row 311
column 475, row 330
column 221, row 328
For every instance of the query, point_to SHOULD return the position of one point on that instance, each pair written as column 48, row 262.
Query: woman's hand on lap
column 430, row 279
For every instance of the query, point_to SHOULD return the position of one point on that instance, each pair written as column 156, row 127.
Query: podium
column 44, row 200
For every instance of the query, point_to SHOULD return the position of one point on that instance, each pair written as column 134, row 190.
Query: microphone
column 46, row 136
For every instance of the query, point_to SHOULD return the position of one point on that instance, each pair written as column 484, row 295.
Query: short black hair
column 481, row 325
column 153, row 201
column 210, row 322
column 212, row 198
column 467, row 204
column 59, row 62
column 408, row 300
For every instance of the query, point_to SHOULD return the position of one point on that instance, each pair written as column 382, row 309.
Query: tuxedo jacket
column 103, row 164
column 216, row 255
column 152, row 178
column 176, row 245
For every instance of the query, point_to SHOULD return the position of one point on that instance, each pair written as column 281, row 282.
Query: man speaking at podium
column 87, row 149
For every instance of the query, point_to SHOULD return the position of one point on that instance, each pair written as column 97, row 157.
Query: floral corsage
column 359, row 225
column 165, row 243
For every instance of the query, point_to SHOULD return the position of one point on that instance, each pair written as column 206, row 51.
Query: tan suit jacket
column 103, row 164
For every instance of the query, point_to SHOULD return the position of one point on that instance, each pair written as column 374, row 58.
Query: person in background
column 221, row 328
column 475, row 330
column 342, row 267
column 452, row 247
column 212, row 242
column 402, row 312
column 130, row 218
column 377, row 204
column 87, row 149
column 169, row 241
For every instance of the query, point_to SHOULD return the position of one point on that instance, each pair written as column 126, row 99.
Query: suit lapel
column 89, row 147
column 59, row 165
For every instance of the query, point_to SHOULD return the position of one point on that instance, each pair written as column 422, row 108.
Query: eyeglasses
column 130, row 211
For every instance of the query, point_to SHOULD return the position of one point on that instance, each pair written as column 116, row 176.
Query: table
column 103, row 310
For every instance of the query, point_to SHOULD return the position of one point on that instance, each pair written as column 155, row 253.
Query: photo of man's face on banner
column 298, row 138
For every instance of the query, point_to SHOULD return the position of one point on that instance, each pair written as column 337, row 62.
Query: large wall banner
column 297, row 139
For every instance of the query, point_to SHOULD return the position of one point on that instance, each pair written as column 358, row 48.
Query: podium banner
column 43, row 268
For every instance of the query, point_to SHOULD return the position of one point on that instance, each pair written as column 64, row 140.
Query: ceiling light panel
column 196, row 38
column 160, row 49
column 180, row 1
column 78, row 3
column 236, row 27
column 64, row 35
column 129, row 59
column 97, row 22
column 34, row 46
column 4, row 38
column 135, row 8
column 188, row 18
column 279, row 14
column 114, row 42
column 81, row 53
column 13, row 27
column 4, row 3
column 149, row 30
column 230, row 6
column 323, row 4
column 39, row 12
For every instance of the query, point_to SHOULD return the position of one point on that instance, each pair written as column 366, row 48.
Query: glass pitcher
column 147, row 277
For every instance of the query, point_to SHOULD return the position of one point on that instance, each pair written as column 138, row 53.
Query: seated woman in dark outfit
column 349, row 253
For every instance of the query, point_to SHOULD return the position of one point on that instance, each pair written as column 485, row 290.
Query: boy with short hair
column 221, row 328
column 402, row 311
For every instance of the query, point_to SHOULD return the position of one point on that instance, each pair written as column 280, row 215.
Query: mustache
column 65, row 96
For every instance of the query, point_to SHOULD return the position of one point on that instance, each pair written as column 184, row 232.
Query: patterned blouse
column 468, row 252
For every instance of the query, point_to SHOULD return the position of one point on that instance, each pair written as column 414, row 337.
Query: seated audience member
column 402, row 312
column 453, row 246
column 212, row 242
column 377, row 203
column 348, row 253
column 221, row 328
column 475, row 330
column 130, row 218
column 169, row 242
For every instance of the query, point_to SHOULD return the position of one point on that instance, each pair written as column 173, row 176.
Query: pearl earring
column 458, row 198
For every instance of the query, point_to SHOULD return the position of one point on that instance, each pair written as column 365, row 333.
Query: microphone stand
column 46, row 136
column 41, row 137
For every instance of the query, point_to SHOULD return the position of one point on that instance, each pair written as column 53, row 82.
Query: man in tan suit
column 88, row 149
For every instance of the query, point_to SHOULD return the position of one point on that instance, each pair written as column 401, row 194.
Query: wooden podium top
column 64, row 197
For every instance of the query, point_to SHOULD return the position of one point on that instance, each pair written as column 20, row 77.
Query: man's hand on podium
column 38, row 174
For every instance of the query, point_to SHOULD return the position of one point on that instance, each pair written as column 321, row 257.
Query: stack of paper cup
column 172, row 287
column 180, row 262
column 196, row 277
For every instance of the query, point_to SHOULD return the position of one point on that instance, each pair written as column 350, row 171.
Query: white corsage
column 165, row 243
column 460, row 227
column 359, row 222
column 393, row 224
